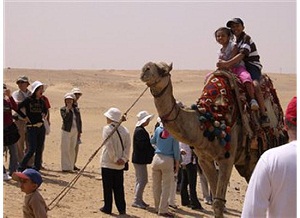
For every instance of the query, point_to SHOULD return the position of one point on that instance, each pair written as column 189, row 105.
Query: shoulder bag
column 126, row 167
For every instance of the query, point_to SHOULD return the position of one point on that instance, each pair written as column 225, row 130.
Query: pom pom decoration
column 223, row 126
column 217, row 132
column 227, row 138
column 202, row 119
column 228, row 129
column 194, row 107
column 214, row 128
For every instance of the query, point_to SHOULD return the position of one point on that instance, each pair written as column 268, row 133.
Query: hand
column 120, row 161
column 124, row 118
column 69, row 106
column 26, row 119
column 182, row 152
column 222, row 64
column 7, row 92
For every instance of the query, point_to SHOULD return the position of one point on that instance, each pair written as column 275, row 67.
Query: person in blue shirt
column 165, row 163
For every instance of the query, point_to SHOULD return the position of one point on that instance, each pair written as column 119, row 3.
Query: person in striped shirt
column 249, row 55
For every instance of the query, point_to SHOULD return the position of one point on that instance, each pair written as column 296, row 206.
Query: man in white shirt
column 272, row 190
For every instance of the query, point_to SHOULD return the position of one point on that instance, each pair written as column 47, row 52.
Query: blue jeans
column 36, row 138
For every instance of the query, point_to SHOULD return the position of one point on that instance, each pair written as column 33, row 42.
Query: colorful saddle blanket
column 218, row 97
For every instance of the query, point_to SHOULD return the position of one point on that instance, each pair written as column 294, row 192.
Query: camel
column 184, row 125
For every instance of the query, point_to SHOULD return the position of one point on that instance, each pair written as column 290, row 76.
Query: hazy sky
column 126, row 35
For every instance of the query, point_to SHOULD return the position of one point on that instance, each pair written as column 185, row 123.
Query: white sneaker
column 6, row 177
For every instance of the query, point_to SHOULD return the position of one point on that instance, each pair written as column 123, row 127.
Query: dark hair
column 224, row 29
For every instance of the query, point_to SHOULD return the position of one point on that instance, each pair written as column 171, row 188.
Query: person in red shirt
column 9, row 104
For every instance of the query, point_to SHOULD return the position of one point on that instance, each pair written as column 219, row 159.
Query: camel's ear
column 170, row 66
column 164, row 68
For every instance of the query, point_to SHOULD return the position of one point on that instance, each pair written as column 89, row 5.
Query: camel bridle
column 165, row 118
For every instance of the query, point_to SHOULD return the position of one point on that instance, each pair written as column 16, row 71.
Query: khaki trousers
column 22, row 143
column 163, row 177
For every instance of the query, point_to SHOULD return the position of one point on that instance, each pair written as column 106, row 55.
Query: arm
column 66, row 114
column 21, row 105
column 153, row 138
column 176, row 155
column 12, row 102
column 228, row 64
column 127, row 144
column 109, row 144
column 258, row 192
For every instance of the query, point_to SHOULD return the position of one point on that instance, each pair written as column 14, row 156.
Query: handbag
column 126, row 166
column 11, row 134
column 47, row 126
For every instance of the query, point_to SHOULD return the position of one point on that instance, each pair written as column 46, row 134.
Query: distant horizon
column 114, row 69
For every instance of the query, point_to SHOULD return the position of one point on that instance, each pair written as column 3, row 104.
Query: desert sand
column 103, row 89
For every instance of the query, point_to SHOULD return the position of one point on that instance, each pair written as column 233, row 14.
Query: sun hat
column 291, row 111
column 76, row 91
column 31, row 174
column 113, row 114
column 234, row 20
column 69, row 95
column 23, row 79
column 35, row 85
column 143, row 116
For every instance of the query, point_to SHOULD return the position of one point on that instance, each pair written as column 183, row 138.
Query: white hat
column 113, row 114
column 35, row 85
column 143, row 116
column 76, row 91
column 69, row 95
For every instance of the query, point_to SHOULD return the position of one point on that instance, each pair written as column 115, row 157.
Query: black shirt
column 143, row 151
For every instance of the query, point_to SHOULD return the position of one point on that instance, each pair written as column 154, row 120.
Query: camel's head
column 153, row 72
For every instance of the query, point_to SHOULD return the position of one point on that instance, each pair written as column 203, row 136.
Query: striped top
column 248, row 48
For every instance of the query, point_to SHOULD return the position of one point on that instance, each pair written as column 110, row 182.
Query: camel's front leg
column 225, row 169
column 210, row 173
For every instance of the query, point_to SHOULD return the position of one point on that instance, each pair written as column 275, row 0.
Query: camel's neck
column 165, row 101
column 182, row 124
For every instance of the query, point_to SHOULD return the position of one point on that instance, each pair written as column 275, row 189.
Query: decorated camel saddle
column 224, row 101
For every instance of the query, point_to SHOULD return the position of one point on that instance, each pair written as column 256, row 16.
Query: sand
column 103, row 89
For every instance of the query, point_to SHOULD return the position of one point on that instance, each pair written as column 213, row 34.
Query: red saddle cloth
column 218, row 98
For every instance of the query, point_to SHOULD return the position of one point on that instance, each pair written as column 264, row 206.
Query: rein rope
column 164, row 118
column 68, row 187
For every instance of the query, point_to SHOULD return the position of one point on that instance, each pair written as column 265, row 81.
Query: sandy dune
column 103, row 89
